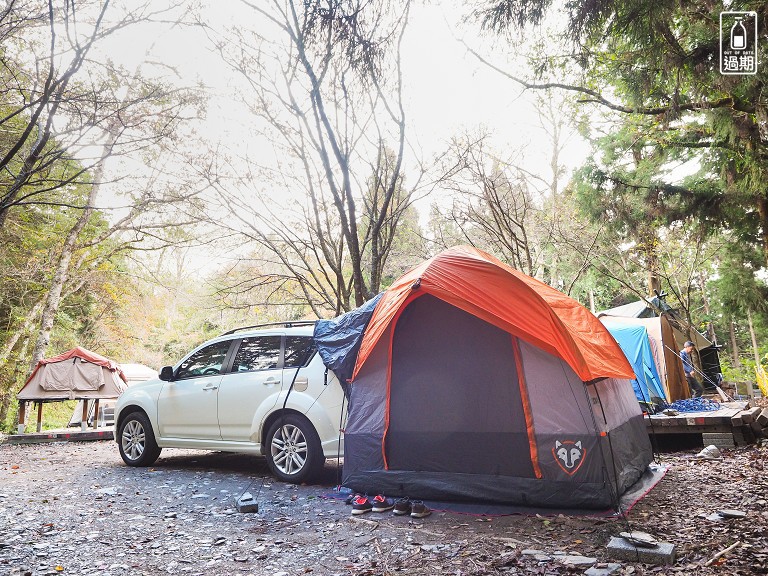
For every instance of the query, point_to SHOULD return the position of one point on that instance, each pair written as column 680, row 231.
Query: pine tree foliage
column 653, row 69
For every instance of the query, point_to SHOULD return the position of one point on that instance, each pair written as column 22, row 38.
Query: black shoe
column 381, row 503
column 419, row 509
column 351, row 498
column 402, row 507
column 361, row 505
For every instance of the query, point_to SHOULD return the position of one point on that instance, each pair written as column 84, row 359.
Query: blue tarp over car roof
column 338, row 340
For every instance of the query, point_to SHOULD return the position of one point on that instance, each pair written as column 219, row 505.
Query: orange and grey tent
column 474, row 381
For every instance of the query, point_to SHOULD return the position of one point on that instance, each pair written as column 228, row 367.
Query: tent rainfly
column 474, row 381
column 636, row 344
column 77, row 374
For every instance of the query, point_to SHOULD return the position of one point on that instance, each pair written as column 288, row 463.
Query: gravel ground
column 75, row 509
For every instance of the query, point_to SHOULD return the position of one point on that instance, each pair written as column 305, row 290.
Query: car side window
column 298, row 351
column 257, row 353
column 205, row 362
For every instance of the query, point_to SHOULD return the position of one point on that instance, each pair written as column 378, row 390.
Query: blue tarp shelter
column 636, row 346
column 338, row 339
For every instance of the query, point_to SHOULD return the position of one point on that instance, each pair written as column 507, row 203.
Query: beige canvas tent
column 77, row 374
column 105, row 414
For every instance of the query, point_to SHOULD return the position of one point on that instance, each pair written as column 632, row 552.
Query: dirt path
column 75, row 509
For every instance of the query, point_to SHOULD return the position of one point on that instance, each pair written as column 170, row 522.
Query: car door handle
column 272, row 380
column 210, row 387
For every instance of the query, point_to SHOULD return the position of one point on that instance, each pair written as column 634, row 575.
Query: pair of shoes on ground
column 380, row 503
column 416, row 508
column 362, row 504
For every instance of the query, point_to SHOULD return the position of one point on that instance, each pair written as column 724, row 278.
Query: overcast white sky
column 447, row 90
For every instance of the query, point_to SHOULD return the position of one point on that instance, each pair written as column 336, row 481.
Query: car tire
column 293, row 449
column 137, row 441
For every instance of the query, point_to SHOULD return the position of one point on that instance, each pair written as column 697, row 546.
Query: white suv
column 260, row 391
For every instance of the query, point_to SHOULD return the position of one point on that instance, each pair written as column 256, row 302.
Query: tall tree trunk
column 60, row 276
column 734, row 345
column 654, row 280
column 754, row 349
column 651, row 242
column 762, row 210
column 53, row 299
column 10, row 398
column 710, row 326
column 754, row 337
column 19, row 331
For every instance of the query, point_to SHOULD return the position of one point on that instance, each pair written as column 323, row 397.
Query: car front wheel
column 137, row 441
column 294, row 453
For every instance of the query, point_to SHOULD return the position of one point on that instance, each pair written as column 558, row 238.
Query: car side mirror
column 166, row 373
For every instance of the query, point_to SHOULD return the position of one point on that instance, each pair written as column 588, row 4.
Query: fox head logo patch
column 569, row 455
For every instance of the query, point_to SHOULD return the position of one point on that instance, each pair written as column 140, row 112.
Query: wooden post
column 750, row 391
column 96, row 414
column 22, row 416
column 84, row 417
column 39, row 416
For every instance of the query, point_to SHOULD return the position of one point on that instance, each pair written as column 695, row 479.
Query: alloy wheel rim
column 134, row 440
column 289, row 449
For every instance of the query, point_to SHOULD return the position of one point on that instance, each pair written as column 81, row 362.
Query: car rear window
column 257, row 353
column 298, row 351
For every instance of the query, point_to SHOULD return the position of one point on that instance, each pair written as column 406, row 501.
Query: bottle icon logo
column 738, row 43
column 738, row 35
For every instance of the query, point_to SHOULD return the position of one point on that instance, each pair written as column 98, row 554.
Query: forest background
column 284, row 170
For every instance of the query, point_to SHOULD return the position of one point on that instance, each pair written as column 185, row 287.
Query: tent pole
column 84, row 417
column 22, row 416
column 96, row 414
column 39, row 416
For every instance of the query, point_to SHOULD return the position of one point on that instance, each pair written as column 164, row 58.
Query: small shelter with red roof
column 77, row 374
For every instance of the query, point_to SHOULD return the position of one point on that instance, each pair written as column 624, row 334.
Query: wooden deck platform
column 734, row 424
column 67, row 435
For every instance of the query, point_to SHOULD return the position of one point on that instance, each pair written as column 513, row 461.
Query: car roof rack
column 285, row 324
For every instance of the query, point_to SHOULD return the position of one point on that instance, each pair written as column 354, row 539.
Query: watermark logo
column 738, row 43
